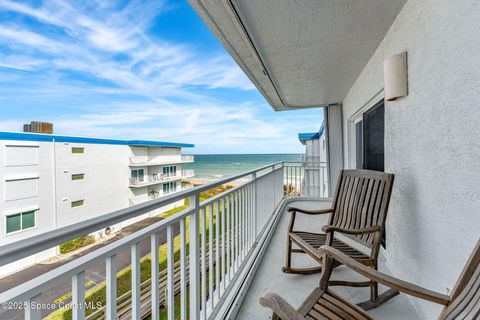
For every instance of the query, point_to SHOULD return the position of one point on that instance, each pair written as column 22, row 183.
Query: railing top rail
column 26, row 247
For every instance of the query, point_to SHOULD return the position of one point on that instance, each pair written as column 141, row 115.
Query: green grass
column 98, row 293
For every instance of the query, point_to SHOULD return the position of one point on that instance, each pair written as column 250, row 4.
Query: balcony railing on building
column 136, row 161
column 220, row 241
column 307, row 178
column 161, row 177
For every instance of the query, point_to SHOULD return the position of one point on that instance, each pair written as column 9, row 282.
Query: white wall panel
column 21, row 155
column 21, row 189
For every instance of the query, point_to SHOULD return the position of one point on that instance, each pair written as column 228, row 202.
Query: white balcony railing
column 188, row 173
column 308, row 179
column 157, row 161
column 226, row 234
column 160, row 177
column 189, row 158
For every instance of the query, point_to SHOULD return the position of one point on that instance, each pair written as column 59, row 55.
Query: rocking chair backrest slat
column 465, row 298
column 361, row 201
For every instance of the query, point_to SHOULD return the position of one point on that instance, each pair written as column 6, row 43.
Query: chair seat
column 332, row 307
column 310, row 242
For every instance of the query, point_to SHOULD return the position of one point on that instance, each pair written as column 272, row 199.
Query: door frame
column 353, row 120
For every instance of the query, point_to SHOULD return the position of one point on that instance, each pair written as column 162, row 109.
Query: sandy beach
column 200, row 181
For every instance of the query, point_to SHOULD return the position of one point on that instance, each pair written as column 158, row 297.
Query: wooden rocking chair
column 322, row 303
column 358, row 211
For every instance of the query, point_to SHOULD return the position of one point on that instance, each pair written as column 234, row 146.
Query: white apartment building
column 315, row 180
column 51, row 181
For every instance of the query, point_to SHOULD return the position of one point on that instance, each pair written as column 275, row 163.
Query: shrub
column 76, row 243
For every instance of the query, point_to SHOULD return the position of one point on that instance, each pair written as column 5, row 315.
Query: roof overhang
column 27, row 136
column 303, row 137
column 300, row 54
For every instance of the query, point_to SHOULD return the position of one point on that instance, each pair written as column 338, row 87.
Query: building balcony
column 137, row 161
column 159, row 178
column 159, row 194
column 235, row 244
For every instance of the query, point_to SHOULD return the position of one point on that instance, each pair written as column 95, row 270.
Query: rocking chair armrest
column 389, row 281
column 280, row 307
column 322, row 211
column 330, row 228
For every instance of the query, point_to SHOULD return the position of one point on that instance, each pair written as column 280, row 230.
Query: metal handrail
column 23, row 248
column 243, row 211
column 225, row 234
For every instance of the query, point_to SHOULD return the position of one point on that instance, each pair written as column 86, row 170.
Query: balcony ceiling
column 300, row 54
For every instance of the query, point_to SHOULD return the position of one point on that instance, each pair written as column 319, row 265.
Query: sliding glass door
column 374, row 138
column 369, row 139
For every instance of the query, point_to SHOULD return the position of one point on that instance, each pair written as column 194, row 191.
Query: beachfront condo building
column 315, row 180
column 52, row 181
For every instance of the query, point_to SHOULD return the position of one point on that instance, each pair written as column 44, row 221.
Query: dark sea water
column 219, row 166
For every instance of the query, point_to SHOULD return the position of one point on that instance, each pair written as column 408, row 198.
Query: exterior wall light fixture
column 395, row 76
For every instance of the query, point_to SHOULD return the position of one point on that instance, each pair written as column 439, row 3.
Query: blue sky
column 134, row 70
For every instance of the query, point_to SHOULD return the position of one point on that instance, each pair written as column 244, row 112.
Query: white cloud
column 209, row 126
column 137, row 79
column 91, row 34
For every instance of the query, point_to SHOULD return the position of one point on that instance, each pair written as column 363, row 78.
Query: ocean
column 219, row 166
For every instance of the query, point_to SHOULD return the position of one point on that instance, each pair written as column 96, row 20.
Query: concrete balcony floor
column 295, row 288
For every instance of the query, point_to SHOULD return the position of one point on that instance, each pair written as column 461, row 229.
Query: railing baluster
column 247, row 218
column 135, row 256
column 299, row 179
column 294, row 168
column 194, row 263
column 224, row 244
column 183, row 270
column 250, row 215
column 233, row 226
column 211, row 280
column 240, row 225
column 296, row 180
column 239, row 213
column 291, row 178
column 217, row 249
column 254, row 180
column 244, row 224
column 240, row 229
column 288, row 179
column 78, row 296
column 203, row 308
column 245, row 203
column 154, row 279
column 111, row 287
column 236, row 232
column 254, row 213
column 34, row 313
column 170, row 274
column 229, row 236
column 250, row 205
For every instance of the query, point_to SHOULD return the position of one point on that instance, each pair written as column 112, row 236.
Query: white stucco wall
column 163, row 154
column 432, row 141
column 43, row 202
column 316, row 180
column 105, row 187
